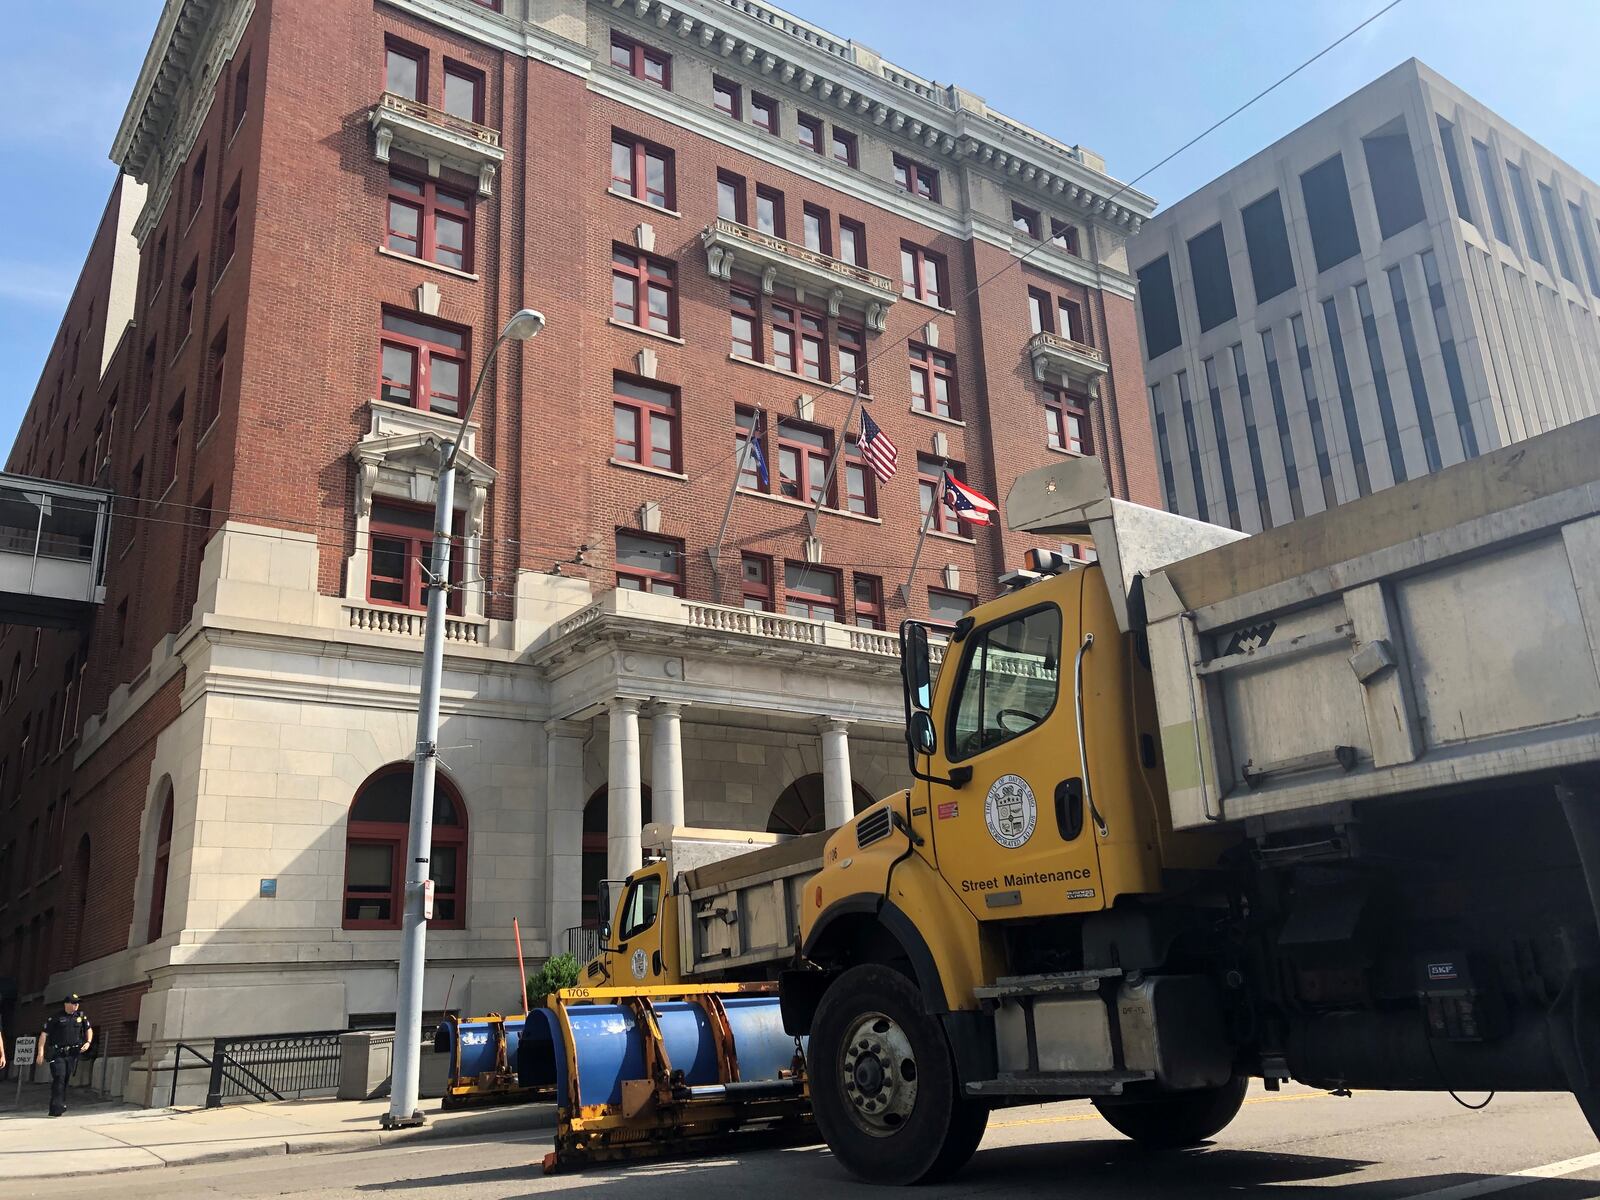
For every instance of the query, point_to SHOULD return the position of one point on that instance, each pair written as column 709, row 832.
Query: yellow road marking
column 1094, row 1116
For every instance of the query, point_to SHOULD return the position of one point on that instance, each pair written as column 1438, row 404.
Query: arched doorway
column 158, row 877
column 800, row 809
column 594, row 846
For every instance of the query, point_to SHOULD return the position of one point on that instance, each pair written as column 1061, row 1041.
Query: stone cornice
column 933, row 120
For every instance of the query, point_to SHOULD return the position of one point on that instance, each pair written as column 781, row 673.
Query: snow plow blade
column 657, row 1072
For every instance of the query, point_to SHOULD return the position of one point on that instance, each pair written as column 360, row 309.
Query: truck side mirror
column 605, row 933
column 916, row 672
column 920, row 732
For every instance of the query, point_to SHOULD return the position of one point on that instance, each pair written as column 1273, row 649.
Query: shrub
column 555, row 973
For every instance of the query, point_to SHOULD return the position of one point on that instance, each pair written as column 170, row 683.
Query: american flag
column 877, row 449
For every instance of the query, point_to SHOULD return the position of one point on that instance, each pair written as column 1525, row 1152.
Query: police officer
column 66, row 1035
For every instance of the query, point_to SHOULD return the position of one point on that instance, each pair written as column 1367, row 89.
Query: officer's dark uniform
column 66, row 1033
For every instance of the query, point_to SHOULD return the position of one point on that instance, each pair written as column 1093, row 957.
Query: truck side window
column 639, row 911
column 1008, row 681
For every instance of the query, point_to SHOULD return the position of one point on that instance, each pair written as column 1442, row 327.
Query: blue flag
column 758, row 456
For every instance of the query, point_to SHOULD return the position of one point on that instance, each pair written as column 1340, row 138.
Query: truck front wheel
column 1183, row 1119
column 883, row 1084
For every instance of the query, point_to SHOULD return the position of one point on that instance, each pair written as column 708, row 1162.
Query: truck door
column 1016, row 839
column 639, row 931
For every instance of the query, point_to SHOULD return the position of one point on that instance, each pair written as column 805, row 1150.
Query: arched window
column 158, row 879
column 375, row 853
column 595, row 814
column 800, row 808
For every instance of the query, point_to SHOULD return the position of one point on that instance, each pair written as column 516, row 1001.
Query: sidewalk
column 92, row 1139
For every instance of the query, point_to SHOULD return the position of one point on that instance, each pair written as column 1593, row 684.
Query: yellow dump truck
column 1320, row 804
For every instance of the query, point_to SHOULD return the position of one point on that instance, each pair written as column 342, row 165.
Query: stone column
column 563, row 824
column 623, row 796
column 666, row 764
column 838, row 798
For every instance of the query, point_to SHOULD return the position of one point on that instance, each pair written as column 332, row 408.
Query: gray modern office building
column 1404, row 282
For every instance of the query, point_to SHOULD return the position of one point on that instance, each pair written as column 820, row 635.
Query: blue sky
column 1131, row 80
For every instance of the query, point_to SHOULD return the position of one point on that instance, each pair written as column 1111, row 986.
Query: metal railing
column 278, row 1067
column 582, row 943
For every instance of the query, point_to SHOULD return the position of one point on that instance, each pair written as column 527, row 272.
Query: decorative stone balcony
column 441, row 138
column 1080, row 365
column 731, row 246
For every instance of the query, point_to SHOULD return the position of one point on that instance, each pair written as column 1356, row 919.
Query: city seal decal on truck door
column 1010, row 811
column 640, row 964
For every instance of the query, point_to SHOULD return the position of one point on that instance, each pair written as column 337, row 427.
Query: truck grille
column 874, row 827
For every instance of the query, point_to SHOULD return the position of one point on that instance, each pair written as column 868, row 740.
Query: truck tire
column 883, row 1084
column 1172, row 1122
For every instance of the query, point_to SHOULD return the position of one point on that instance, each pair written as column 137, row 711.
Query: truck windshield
column 1008, row 681
column 639, row 913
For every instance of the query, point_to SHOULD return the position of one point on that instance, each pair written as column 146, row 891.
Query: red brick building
column 730, row 219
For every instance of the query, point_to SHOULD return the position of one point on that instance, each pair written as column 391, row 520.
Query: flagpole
column 927, row 524
column 833, row 464
column 714, row 551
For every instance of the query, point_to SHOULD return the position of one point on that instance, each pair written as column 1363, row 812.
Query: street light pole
column 403, row 1088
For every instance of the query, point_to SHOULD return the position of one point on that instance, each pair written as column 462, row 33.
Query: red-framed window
column 756, row 582
column 769, row 211
column 1066, row 421
column 197, row 185
column 211, row 396
column 813, row 346
column 869, row 601
column 811, row 591
column 916, row 178
column 803, row 454
column 745, row 320
column 228, row 239
column 642, row 291
column 727, row 97
column 799, row 341
column 463, row 92
column 186, row 287
column 1072, row 324
column 933, row 382
column 930, row 493
column 1026, row 220
column 241, row 93
column 808, row 131
column 860, row 485
column 430, row 222
column 817, row 229
column 922, row 274
column 148, row 392
column 649, row 564
column 375, row 853
column 852, row 242
column 158, row 268
column 644, row 420
column 946, row 608
column 405, row 70
column 641, row 61
column 1041, row 314
column 845, row 147
column 1064, row 235
column 158, row 874
column 401, row 545
column 853, row 358
column 641, row 169
column 174, row 440
column 423, row 364
column 764, row 113
column 744, row 422
column 731, row 197
column 491, row 5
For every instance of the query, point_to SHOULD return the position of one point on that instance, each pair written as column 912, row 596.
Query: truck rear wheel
column 1184, row 1119
column 883, row 1084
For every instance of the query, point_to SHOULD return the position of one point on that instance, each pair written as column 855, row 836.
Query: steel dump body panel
column 1441, row 633
column 744, row 912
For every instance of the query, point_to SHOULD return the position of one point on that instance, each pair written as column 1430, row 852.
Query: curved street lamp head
column 523, row 326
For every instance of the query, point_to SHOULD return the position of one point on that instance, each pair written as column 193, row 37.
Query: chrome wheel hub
column 879, row 1073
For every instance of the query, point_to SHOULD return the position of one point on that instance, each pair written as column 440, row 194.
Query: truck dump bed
column 1439, row 634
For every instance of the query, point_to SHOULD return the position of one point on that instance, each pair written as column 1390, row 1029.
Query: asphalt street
column 1297, row 1143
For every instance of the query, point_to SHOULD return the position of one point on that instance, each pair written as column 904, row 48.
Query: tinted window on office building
column 1267, row 240
column 1160, row 307
column 1328, row 212
column 1395, row 189
column 1213, row 285
column 1452, row 164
